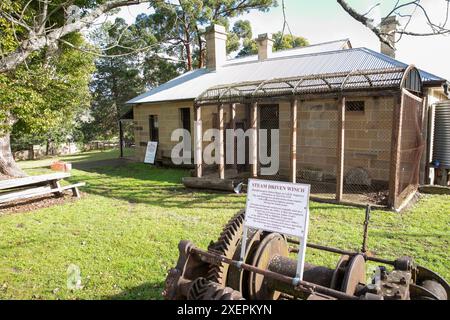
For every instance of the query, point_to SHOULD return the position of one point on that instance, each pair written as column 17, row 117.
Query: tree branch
column 37, row 40
column 436, row 29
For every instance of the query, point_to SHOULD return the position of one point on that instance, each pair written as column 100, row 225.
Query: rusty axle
column 340, row 251
column 301, row 285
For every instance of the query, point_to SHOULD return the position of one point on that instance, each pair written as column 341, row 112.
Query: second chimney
column 265, row 45
column 388, row 27
column 216, row 49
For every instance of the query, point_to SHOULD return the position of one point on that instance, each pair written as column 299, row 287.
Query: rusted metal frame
column 350, row 93
column 307, row 89
column 325, row 81
column 228, row 89
column 395, row 151
column 419, row 137
column 301, row 285
column 355, row 73
column 340, row 149
column 198, row 135
column 289, row 84
column 259, row 84
column 413, row 185
column 406, row 75
column 221, row 142
column 312, row 77
column 342, row 252
column 294, row 115
column 294, row 90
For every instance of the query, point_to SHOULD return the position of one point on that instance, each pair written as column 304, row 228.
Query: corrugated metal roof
column 314, row 48
column 192, row 84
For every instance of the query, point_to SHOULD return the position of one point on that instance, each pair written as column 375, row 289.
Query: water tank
column 441, row 141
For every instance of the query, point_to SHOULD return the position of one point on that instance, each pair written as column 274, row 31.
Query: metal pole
column 254, row 142
column 293, row 172
column 366, row 230
column 121, row 138
column 221, row 142
column 339, row 251
column 198, row 135
column 340, row 150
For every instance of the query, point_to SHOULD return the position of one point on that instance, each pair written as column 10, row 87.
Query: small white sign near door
column 280, row 207
column 150, row 153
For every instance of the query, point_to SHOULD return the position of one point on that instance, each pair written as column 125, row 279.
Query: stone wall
column 367, row 139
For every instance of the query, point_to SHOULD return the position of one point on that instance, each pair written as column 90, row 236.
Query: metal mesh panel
column 411, row 144
column 367, row 150
column 269, row 143
column 316, row 147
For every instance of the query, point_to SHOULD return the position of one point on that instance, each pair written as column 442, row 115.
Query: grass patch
column 123, row 234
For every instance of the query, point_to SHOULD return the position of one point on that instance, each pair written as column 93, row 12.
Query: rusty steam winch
column 268, row 273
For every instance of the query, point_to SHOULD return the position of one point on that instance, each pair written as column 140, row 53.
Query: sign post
column 281, row 207
column 150, row 153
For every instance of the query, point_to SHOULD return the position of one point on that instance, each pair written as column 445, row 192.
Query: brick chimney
column 265, row 45
column 216, row 50
column 389, row 27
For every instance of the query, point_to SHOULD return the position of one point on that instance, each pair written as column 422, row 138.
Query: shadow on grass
column 142, row 183
column 145, row 291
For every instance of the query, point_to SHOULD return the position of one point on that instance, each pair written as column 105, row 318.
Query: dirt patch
column 36, row 203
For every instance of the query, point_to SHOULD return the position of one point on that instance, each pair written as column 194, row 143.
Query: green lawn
column 123, row 233
column 95, row 155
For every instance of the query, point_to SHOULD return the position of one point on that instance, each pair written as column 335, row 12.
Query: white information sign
column 150, row 153
column 280, row 207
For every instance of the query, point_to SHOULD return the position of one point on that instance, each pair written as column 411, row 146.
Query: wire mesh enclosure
column 412, row 144
column 360, row 146
column 317, row 147
column 367, row 150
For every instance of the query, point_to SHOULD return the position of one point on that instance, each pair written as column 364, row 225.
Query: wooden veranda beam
column 254, row 140
column 340, row 149
column 198, row 132
column 395, row 152
column 293, row 172
column 233, row 126
column 221, row 142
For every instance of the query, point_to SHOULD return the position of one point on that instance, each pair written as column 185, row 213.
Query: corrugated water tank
column 441, row 141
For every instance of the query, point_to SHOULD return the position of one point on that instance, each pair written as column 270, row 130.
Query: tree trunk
column 189, row 56
column 201, row 56
column 8, row 166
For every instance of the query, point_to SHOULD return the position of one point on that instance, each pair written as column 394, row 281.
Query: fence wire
column 411, row 144
column 317, row 147
column 367, row 145
column 367, row 150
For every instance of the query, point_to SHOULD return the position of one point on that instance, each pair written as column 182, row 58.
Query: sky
column 325, row 20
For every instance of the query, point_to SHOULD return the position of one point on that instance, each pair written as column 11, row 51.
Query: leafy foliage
column 45, row 96
column 181, row 26
column 242, row 33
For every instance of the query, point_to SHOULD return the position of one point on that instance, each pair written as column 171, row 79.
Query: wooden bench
column 33, row 186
